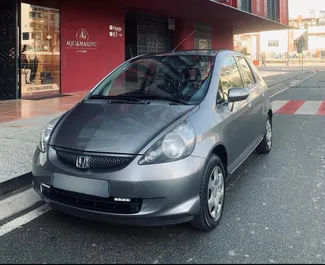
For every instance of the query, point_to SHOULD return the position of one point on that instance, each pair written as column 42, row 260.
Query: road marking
column 14, row 224
column 309, row 108
column 291, row 107
column 299, row 107
column 276, row 105
column 17, row 203
column 277, row 93
column 321, row 110
column 272, row 73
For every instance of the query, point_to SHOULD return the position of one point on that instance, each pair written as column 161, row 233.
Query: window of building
column 40, row 54
column 273, row 43
column 246, row 71
column 229, row 78
column 245, row 5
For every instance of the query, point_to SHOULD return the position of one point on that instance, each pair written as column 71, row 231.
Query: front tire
column 212, row 195
column 266, row 145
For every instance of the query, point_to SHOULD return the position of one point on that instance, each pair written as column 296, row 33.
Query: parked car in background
column 154, row 141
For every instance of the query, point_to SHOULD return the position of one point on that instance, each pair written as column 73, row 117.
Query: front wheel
column 266, row 145
column 212, row 195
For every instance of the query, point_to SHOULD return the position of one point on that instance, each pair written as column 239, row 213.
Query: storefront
column 40, row 51
column 53, row 47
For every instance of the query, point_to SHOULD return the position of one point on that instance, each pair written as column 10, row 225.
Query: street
column 274, row 211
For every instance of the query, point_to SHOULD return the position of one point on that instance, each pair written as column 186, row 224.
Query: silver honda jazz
column 154, row 141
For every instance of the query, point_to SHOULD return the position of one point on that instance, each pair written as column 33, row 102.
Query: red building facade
column 96, row 36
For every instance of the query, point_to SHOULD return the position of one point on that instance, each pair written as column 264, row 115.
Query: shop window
column 40, row 54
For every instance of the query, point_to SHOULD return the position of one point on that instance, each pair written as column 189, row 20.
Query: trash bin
column 256, row 62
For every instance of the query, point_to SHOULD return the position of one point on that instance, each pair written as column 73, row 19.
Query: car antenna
column 184, row 40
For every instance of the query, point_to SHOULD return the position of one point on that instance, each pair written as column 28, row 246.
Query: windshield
column 182, row 78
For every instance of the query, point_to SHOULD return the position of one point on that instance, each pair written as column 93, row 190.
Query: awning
column 208, row 11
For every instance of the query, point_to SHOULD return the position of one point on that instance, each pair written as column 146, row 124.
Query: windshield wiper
column 119, row 99
column 158, row 97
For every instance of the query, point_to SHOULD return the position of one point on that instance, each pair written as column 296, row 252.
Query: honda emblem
column 83, row 162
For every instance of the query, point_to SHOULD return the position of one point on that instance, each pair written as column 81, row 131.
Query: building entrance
column 8, row 49
column 146, row 34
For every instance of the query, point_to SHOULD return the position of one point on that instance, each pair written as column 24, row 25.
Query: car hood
column 114, row 128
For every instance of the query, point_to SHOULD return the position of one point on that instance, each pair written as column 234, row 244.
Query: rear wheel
column 212, row 195
column 266, row 145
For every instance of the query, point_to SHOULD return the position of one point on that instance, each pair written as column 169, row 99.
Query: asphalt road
column 275, row 75
column 274, row 212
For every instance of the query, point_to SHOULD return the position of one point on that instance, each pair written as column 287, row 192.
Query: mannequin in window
column 25, row 64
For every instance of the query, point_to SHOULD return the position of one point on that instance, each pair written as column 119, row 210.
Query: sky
column 300, row 7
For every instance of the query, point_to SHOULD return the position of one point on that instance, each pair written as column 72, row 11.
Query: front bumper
column 158, row 194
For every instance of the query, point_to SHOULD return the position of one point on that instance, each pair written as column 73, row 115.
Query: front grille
column 93, row 203
column 95, row 162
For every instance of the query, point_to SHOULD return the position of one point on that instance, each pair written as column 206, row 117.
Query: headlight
column 46, row 134
column 175, row 145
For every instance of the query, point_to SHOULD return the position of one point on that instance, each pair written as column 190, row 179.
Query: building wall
column 279, row 8
column 183, row 34
column 259, row 7
column 269, row 36
column 81, row 69
column 221, row 39
column 284, row 12
column 316, row 38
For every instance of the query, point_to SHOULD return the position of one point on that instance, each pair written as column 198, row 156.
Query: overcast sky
column 302, row 7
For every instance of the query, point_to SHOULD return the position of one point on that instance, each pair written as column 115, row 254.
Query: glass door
column 40, row 51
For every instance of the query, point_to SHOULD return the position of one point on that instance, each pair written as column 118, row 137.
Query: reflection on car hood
column 114, row 128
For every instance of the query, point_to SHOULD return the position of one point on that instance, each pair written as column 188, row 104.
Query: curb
column 16, row 183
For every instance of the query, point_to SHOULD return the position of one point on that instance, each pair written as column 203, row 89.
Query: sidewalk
column 21, row 122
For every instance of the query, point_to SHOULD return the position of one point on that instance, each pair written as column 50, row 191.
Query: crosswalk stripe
column 321, row 110
column 309, row 108
column 298, row 107
column 291, row 107
column 276, row 105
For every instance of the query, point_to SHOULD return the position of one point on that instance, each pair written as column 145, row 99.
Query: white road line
column 271, row 73
column 17, row 203
column 14, row 224
column 309, row 108
column 276, row 105
column 314, row 72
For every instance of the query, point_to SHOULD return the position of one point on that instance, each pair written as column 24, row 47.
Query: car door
column 236, row 129
column 255, row 100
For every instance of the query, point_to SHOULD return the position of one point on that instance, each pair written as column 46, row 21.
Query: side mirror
column 237, row 94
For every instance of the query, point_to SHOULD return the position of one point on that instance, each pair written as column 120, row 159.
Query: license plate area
column 94, row 187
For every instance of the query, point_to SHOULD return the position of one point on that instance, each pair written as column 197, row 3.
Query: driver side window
column 229, row 78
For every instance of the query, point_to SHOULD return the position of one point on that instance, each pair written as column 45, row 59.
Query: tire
column 266, row 145
column 204, row 220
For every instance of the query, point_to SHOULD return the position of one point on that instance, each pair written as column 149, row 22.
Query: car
column 154, row 141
